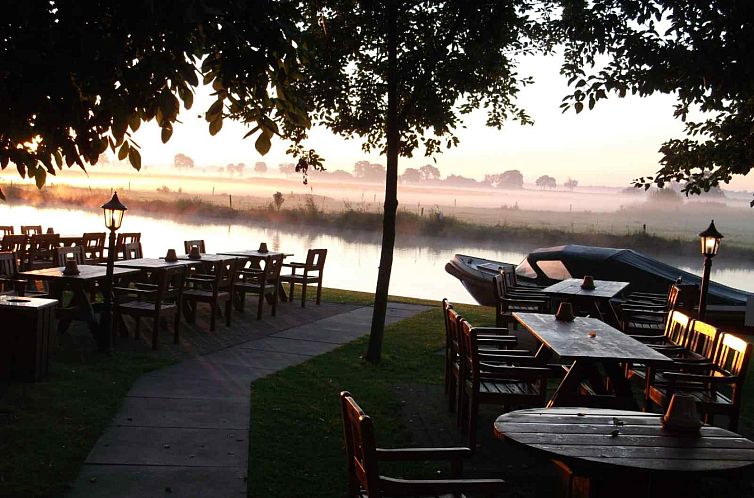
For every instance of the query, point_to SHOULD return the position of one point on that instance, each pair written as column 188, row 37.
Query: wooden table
column 596, row 351
column 149, row 264
column 598, row 298
column 25, row 337
column 625, row 453
column 78, row 285
column 254, row 256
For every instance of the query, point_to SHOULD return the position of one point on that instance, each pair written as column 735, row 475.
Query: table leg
column 565, row 394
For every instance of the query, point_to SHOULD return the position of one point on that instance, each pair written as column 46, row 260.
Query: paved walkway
column 183, row 430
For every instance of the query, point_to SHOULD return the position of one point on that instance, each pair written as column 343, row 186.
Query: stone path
column 183, row 430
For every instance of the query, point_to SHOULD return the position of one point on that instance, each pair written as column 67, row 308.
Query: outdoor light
column 710, row 239
column 114, row 211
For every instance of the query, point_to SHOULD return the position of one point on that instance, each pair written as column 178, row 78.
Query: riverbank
column 527, row 227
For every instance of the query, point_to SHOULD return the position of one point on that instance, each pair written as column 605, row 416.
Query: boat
column 549, row 265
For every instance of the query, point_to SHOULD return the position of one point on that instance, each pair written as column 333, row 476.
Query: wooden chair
column 121, row 241
column 9, row 282
column 94, row 247
column 17, row 244
column 162, row 298
column 132, row 250
column 363, row 459
column 213, row 288
column 63, row 254
column 718, row 390
column 507, row 380
column 505, row 306
column 263, row 281
column 41, row 253
column 651, row 319
column 672, row 343
column 6, row 230
column 188, row 244
column 30, row 230
column 312, row 271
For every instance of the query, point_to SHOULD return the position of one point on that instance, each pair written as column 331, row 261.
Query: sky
column 611, row 145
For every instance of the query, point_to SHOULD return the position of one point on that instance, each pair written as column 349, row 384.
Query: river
column 352, row 259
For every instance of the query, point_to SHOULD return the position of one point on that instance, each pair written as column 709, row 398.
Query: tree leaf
column 579, row 106
column 214, row 110
column 40, row 176
column 166, row 133
column 134, row 158
column 123, row 152
column 215, row 126
column 263, row 143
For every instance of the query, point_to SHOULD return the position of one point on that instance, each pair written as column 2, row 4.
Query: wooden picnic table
column 570, row 290
column 597, row 353
column 149, row 264
column 619, row 453
column 79, row 285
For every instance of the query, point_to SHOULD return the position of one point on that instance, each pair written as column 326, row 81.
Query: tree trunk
column 377, row 333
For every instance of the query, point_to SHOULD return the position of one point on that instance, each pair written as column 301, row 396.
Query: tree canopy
column 76, row 78
column 699, row 51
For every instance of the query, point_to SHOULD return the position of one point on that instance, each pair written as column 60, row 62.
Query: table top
column 587, row 338
column 253, row 253
column 86, row 273
column 586, row 436
column 572, row 287
column 148, row 263
column 26, row 303
column 206, row 257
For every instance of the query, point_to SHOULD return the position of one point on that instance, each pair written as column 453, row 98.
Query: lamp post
column 710, row 239
column 113, row 211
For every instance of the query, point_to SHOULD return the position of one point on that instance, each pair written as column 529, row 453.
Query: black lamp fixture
column 113, row 210
column 710, row 239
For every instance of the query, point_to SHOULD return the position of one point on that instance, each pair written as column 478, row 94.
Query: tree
column 511, row 179
column 260, row 167
column 78, row 78
column 411, row 175
column 369, row 171
column 278, row 199
column 287, row 168
column 429, row 172
column 690, row 49
column 546, row 181
column 182, row 161
column 460, row 181
column 571, row 184
column 402, row 75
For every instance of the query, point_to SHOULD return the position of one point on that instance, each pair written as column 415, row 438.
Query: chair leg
column 451, row 387
column 303, row 294
column 228, row 306
column 212, row 316
column 290, row 291
column 275, row 302
column 473, row 416
column 319, row 291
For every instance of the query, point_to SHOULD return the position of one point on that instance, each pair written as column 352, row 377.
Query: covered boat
column 553, row 264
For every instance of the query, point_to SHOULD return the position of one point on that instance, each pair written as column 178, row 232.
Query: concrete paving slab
column 131, row 481
column 171, row 446
column 255, row 359
column 414, row 308
column 181, row 412
column 196, row 384
column 286, row 345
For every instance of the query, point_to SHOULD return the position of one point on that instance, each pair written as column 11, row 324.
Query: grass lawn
column 48, row 428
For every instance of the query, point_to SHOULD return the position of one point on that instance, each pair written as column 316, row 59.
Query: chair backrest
column 6, row 229
column 31, row 230
column 454, row 334
column 94, row 240
column 702, row 339
column 509, row 276
column 682, row 297
column 17, row 244
column 361, row 452
column 170, row 283
column 75, row 253
column 315, row 260
column 132, row 250
column 127, row 238
column 273, row 264
column 188, row 244
column 677, row 328
column 42, row 248
column 8, row 264
column 733, row 356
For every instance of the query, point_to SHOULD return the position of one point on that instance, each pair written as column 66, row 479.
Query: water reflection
column 353, row 257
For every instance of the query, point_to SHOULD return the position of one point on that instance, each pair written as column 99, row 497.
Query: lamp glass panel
column 710, row 246
column 117, row 218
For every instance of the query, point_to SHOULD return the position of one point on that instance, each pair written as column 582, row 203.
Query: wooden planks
column 149, row 263
column 587, row 338
column 86, row 273
column 623, row 439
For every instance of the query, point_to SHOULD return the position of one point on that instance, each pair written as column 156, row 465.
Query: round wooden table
column 602, row 452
